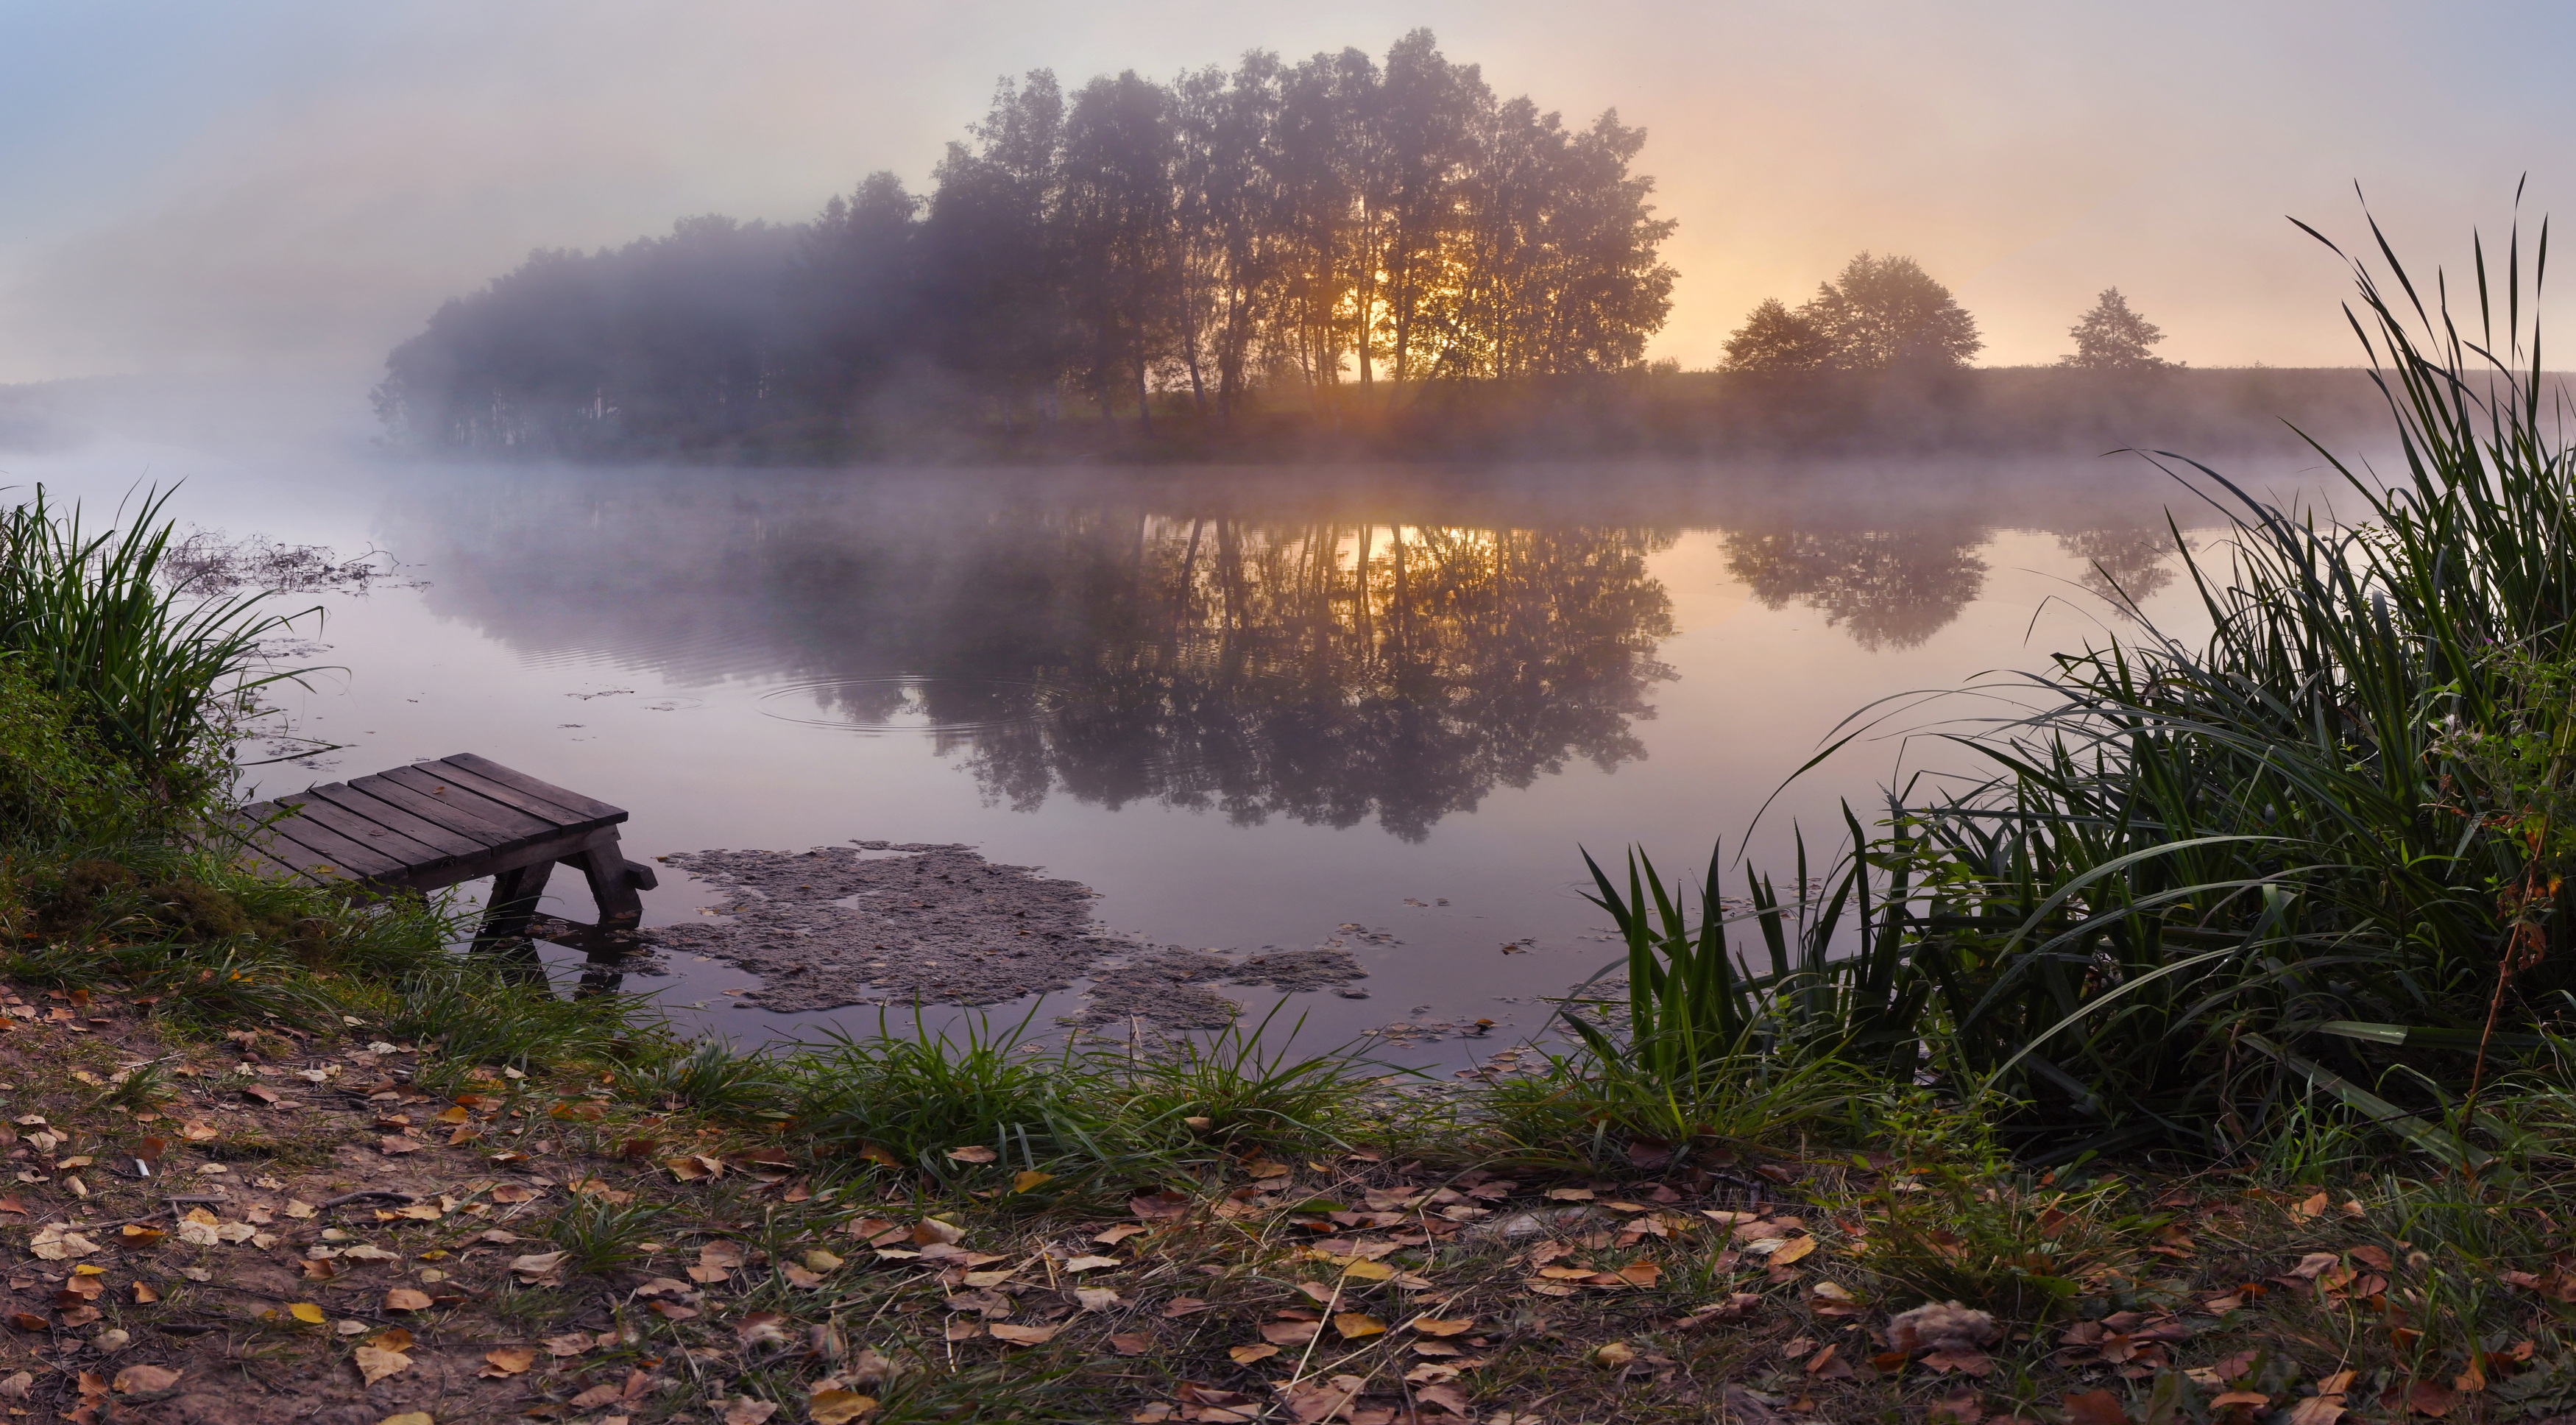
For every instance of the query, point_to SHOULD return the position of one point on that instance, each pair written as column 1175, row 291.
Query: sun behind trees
column 1270, row 233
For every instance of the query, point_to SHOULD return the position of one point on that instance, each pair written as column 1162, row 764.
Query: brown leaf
column 403, row 1298
column 972, row 1153
column 395, row 1339
column 761, row 1328
column 1356, row 1324
column 375, row 1364
column 143, row 1380
column 743, row 1410
column 1023, row 1335
column 1792, row 1250
column 1246, row 1355
column 1444, row 1397
column 2094, row 1407
column 1158, row 1206
column 1130, row 1344
column 1290, row 1333
column 1442, row 1326
column 2430, row 1398
column 507, row 1361
column 1111, row 1237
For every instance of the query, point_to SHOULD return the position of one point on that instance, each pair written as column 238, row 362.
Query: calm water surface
column 1250, row 708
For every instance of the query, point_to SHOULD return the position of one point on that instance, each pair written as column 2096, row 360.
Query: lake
column 1379, row 710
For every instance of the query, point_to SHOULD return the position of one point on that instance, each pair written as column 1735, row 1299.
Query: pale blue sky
column 294, row 185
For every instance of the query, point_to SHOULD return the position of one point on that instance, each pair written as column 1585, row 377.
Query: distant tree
column 2113, row 338
column 1776, row 339
column 1886, row 314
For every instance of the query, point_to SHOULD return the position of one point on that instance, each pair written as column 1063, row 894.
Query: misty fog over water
column 1176, row 686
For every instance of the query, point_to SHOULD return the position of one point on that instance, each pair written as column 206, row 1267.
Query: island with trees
column 1331, row 257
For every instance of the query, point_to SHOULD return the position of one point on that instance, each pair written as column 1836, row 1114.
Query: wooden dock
column 436, row 824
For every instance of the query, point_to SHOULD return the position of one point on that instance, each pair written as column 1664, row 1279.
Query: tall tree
column 1116, row 217
column 1887, row 314
column 991, row 280
column 2111, row 337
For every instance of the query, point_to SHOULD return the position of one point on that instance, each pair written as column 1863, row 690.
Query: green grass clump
column 598, row 1235
column 143, row 663
column 908, row 1100
column 707, row 1077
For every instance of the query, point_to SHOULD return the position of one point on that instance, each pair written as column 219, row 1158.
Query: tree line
column 1282, row 228
column 1886, row 314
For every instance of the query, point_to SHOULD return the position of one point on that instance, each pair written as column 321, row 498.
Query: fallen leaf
column 395, row 1339
column 1111, row 1237
column 375, row 1365
column 142, row 1380
column 761, row 1328
column 508, row 1361
column 1446, row 1397
column 403, row 1298
column 1615, row 1353
column 2314, row 1206
column 2317, row 1410
column 1131, row 1344
column 1246, row 1355
column 2431, row 1398
column 1442, row 1326
column 1029, row 1178
column 571, row 1343
column 1356, row 1324
column 743, row 1410
column 1092, row 1264
column 972, row 1153
column 310, row 1313
column 1096, row 1298
column 1792, row 1250
column 837, row 1407
column 2255, row 1398
column 2094, row 1407
column 1023, row 1335
column 535, row 1264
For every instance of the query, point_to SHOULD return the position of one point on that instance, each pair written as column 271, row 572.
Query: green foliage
column 907, row 1099
column 1243, row 1093
column 706, row 1076
column 142, row 663
column 598, row 1235
column 56, row 785
column 1995, row 1241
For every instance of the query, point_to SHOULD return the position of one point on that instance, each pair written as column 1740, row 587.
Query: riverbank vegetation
column 2203, row 1062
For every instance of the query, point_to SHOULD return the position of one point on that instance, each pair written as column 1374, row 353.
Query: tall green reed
column 145, row 661
column 2207, row 886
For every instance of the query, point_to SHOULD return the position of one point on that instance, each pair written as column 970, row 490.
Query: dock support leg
column 515, row 893
column 613, row 882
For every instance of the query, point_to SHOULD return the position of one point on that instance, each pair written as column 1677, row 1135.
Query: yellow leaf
column 1792, row 1250
column 1029, row 1179
column 1368, row 1271
column 838, row 1407
column 306, row 1312
column 1355, row 1324
column 508, row 1361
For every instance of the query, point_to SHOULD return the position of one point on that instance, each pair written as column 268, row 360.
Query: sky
column 287, row 186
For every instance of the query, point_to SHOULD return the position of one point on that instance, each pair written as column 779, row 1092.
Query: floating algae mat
column 879, row 923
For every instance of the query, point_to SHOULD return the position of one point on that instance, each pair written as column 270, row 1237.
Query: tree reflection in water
column 1322, row 657
column 1336, row 674
column 1886, row 588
